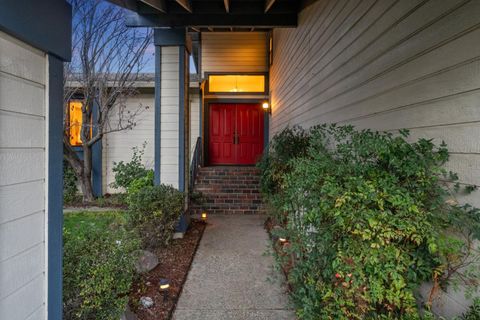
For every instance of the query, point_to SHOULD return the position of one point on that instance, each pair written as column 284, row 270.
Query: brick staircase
column 228, row 190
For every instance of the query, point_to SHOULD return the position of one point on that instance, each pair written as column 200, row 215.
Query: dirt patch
column 175, row 261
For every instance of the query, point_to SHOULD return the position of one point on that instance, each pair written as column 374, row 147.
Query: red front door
column 236, row 133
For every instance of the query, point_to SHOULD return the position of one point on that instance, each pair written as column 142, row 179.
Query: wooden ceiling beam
column 129, row 4
column 213, row 20
column 268, row 4
column 160, row 5
column 185, row 4
column 227, row 5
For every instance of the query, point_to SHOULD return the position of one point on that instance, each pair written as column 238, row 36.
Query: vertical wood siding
column 118, row 146
column 234, row 52
column 169, row 151
column 386, row 65
column 22, row 180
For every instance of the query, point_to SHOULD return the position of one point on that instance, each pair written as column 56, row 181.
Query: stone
column 146, row 302
column 146, row 261
column 128, row 315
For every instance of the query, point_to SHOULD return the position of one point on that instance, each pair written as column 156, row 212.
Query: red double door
column 236, row 133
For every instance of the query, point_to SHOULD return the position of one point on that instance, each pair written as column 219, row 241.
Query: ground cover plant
column 98, row 271
column 368, row 216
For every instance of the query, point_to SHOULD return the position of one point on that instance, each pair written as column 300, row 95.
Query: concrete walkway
column 231, row 277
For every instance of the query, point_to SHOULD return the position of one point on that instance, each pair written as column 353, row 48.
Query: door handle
column 235, row 138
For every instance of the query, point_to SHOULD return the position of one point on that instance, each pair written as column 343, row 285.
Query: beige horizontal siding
column 169, row 116
column 386, row 65
column 118, row 146
column 22, row 180
column 234, row 52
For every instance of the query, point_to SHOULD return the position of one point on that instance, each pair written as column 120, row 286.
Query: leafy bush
column 368, row 218
column 473, row 312
column 137, row 184
column 127, row 172
column 98, row 266
column 288, row 144
column 69, row 183
column 154, row 212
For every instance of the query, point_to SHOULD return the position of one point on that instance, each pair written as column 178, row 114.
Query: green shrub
column 288, row 144
column 69, row 184
column 473, row 312
column 98, row 266
column 154, row 211
column 367, row 216
column 127, row 172
column 137, row 184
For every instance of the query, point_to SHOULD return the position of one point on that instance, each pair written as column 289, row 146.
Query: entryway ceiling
column 214, row 15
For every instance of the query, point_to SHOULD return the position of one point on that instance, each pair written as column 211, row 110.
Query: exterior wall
column 194, row 120
column 169, row 116
column 386, row 65
column 23, row 158
column 117, row 146
column 234, row 52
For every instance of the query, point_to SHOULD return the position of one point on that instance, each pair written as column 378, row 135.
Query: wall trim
column 157, row 113
column 44, row 24
column 181, row 119
column 54, row 185
column 169, row 37
column 97, row 157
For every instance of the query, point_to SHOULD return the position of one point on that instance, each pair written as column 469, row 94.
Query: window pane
column 236, row 83
column 75, row 110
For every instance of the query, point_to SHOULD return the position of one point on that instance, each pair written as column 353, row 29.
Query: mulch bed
column 279, row 249
column 175, row 261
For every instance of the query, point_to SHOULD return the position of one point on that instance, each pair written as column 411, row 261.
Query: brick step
column 229, row 190
column 215, row 186
column 252, row 185
column 231, row 201
column 229, row 211
column 229, row 177
column 232, row 205
column 252, row 194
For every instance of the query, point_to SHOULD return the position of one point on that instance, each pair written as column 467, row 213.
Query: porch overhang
column 209, row 14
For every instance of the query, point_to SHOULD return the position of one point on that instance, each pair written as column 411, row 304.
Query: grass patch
column 83, row 221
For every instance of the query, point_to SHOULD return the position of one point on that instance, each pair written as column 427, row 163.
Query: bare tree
column 107, row 60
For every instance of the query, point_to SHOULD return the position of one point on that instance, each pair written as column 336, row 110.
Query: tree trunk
column 86, row 180
column 83, row 170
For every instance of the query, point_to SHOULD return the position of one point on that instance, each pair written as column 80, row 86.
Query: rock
column 178, row 235
column 146, row 302
column 146, row 261
column 128, row 315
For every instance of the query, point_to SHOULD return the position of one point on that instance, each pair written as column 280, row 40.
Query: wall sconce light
column 163, row 286
column 204, row 216
column 266, row 106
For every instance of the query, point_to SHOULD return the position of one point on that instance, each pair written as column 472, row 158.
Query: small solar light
column 282, row 240
column 204, row 216
column 163, row 286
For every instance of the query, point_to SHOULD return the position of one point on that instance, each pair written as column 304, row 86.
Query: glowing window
column 236, row 83
column 75, row 122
